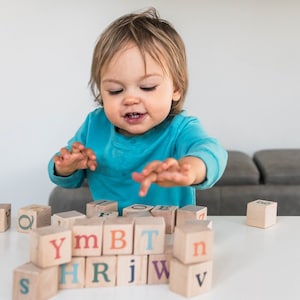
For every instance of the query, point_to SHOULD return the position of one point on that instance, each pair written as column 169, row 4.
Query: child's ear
column 176, row 94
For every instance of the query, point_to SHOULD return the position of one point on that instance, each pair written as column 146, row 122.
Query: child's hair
column 153, row 36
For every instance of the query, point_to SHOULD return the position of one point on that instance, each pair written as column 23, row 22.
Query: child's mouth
column 134, row 117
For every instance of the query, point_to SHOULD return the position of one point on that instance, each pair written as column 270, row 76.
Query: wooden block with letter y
column 31, row 282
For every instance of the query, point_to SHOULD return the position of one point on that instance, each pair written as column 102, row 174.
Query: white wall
column 244, row 65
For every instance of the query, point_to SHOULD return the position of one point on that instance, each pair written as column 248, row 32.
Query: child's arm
column 77, row 158
column 171, row 172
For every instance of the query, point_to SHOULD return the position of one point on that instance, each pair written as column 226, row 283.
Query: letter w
column 164, row 269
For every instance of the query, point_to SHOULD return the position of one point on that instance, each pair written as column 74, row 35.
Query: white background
column 244, row 67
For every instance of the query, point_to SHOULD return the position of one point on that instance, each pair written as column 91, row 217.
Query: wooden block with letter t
column 72, row 274
column 168, row 213
column 5, row 216
column 50, row 246
column 101, row 271
column 190, row 280
column 193, row 243
column 149, row 235
column 95, row 208
column 190, row 212
column 261, row 213
column 118, row 236
column 66, row 219
column 33, row 216
column 31, row 282
column 87, row 237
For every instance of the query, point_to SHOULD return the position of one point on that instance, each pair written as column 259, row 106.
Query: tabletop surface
column 248, row 263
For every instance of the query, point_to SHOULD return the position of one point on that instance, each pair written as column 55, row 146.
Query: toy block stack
column 80, row 251
column 261, row 213
column 5, row 216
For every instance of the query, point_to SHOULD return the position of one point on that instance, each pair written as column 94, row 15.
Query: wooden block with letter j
column 261, row 213
column 31, row 282
column 33, row 216
column 5, row 216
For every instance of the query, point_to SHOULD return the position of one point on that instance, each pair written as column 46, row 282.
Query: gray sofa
column 272, row 174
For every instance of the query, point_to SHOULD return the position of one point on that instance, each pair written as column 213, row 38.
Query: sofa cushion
column 279, row 166
column 240, row 169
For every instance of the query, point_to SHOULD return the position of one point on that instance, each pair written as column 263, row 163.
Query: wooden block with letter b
column 33, row 216
column 190, row 280
column 5, row 216
column 193, row 243
column 190, row 212
column 95, row 208
column 31, row 282
column 50, row 246
column 261, row 213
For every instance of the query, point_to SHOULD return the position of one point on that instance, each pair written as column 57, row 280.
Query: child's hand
column 79, row 157
column 171, row 172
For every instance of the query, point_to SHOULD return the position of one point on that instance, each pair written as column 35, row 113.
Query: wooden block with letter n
column 87, row 237
column 33, row 216
column 132, row 269
column 190, row 280
column 137, row 209
column 50, row 246
column 193, row 243
column 149, row 235
column 31, row 282
column 190, row 212
column 261, row 213
column 72, row 274
column 168, row 213
column 66, row 219
column 5, row 216
column 95, row 208
column 118, row 236
column 101, row 271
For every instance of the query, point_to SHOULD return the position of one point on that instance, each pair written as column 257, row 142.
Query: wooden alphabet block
column 5, row 216
column 132, row 269
column 33, row 216
column 159, row 267
column 72, row 274
column 100, row 206
column 101, row 271
column 118, row 236
column 50, row 246
column 190, row 280
column 168, row 213
column 33, row 283
column 87, row 236
column 190, row 212
column 201, row 223
column 261, row 213
column 66, row 219
column 149, row 235
column 192, row 243
column 136, row 209
column 107, row 214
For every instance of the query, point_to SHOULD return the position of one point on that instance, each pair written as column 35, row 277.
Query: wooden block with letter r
column 96, row 208
column 5, row 216
column 33, row 216
column 190, row 212
column 193, row 243
column 50, row 246
column 31, row 282
column 190, row 280
column 66, row 219
column 168, row 213
column 261, row 213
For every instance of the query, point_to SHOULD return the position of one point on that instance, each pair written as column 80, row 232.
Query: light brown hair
column 152, row 35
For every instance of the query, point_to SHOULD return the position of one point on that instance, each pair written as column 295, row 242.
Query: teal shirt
column 118, row 156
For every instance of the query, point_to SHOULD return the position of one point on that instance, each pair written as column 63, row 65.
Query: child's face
column 134, row 99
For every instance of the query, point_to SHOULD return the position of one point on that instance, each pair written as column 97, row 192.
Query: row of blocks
column 77, row 251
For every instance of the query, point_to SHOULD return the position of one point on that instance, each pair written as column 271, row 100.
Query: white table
column 249, row 263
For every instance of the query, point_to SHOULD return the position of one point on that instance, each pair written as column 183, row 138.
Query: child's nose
column 130, row 100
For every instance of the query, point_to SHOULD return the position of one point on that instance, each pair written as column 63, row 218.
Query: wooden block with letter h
column 190, row 212
column 5, row 216
column 261, row 213
column 31, row 282
column 33, row 216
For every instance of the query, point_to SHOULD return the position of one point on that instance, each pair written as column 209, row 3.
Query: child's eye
column 115, row 92
column 148, row 88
